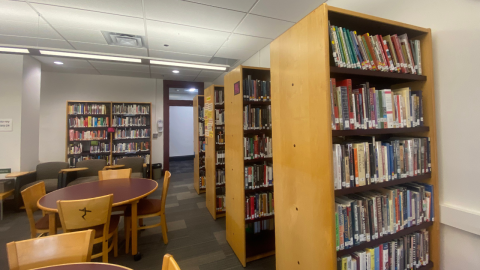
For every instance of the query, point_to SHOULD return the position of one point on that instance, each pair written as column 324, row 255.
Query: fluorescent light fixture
column 190, row 65
column 14, row 50
column 175, row 71
column 192, row 90
column 58, row 63
column 91, row 56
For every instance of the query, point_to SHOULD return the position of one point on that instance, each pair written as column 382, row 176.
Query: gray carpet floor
column 196, row 241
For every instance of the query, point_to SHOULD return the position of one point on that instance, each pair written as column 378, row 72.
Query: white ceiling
column 194, row 30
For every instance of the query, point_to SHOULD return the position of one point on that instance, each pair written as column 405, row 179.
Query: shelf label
column 6, row 125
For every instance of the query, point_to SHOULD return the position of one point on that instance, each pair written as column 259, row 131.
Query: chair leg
column 115, row 243
column 105, row 250
column 164, row 229
column 127, row 227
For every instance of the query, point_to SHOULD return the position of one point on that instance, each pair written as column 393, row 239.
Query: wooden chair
column 114, row 174
column 169, row 263
column 30, row 196
column 149, row 208
column 75, row 247
column 94, row 214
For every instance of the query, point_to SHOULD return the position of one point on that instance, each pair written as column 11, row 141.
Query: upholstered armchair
column 137, row 164
column 85, row 171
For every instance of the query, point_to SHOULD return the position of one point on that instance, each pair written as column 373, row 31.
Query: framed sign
column 6, row 125
column 236, row 88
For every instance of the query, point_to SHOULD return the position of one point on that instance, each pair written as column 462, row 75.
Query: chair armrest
column 16, row 174
column 65, row 177
column 144, row 170
column 111, row 167
column 73, row 170
column 20, row 181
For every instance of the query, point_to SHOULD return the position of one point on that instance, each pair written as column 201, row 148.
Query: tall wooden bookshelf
column 301, row 67
column 247, row 246
column 213, row 145
column 199, row 161
column 99, row 121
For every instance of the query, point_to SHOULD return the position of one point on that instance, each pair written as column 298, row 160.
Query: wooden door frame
column 167, row 84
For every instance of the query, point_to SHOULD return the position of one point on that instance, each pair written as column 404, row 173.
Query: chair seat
column 44, row 223
column 136, row 175
column 82, row 180
column 50, row 184
column 146, row 207
column 114, row 220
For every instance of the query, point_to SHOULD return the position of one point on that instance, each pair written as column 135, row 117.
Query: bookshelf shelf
column 198, row 162
column 247, row 221
column 302, row 65
column 93, row 140
column 252, row 161
column 417, row 178
column 87, row 114
column 426, row 267
column 257, row 190
column 87, row 128
column 384, row 239
column 358, row 132
column 257, row 131
column 213, row 190
column 253, row 102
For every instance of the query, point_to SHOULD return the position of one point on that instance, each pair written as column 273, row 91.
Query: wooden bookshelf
column 247, row 246
column 301, row 68
column 211, row 156
column 197, row 139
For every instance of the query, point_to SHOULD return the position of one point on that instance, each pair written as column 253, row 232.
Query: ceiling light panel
column 91, row 56
column 13, row 50
column 188, row 65
column 68, row 62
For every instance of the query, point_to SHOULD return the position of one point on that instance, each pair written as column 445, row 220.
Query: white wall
column 181, row 131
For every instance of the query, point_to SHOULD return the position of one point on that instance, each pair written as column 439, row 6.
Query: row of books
column 257, row 118
column 88, row 121
column 390, row 53
column 94, row 149
column 131, row 147
column 127, row 121
column 257, row 146
column 361, row 163
column 202, row 181
column 146, row 158
column 87, row 108
column 131, row 133
column 201, row 112
column 201, row 129
column 368, row 216
column 220, row 179
column 256, row 90
column 220, row 157
column 87, row 135
column 219, row 98
column 260, row 226
column 368, row 108
column 257, row 176
column 202, row 146
column 220, row 203
column 220, row 137
column 219, row 117
column 72, row 161
column 259, row 205
column 408, row 252
column 131, row 109
column 202, row 163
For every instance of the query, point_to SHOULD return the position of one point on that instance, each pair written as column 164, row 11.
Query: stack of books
column 258, row 175
column 257, row 118
column 257, row 147
column 220, row 203
column 256, row 90
column 259, row 205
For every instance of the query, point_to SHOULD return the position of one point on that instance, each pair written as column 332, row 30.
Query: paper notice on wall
column 6, row 125
column 209, row 117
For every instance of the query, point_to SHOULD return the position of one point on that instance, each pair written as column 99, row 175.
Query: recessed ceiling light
column 192, row 90
column 190, row 65
column 14, row 50
column 175, row 71
column 91, row 56
column 58, row 63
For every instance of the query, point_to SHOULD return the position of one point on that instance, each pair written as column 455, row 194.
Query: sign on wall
column 236, row 88
column 6, row 125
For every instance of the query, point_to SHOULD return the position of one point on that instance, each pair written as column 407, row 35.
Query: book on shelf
column 257, row 146
column 220, row 157
column 72, row 161
column 220, row 203
column 258, row 175
column 93, row 146
column 131, row 147
column 201, row 111
column 219, row 117
column 201, row 129
column 364, row 107
column 389, row 53
column 256, row 90
column 360, row 163
column 202, row 181
column 408, row 252
column 260, row 226
column 367, row 216
column 202, row 145
column 259, row 205
column 129, row 133
column 131, row 109
column 220, row 137
column 257, row 118
column 87, row 108
column 130, row 121
column 87, row 135
column 219, row 98
column 146, row 158
column 88, row 121
column 220, row 177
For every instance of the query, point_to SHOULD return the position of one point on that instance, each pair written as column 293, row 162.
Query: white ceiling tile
column 242, row 5
column 54, row 43
column 109, row 49
column 121, row 7
column 259, row 26
column 286, row 9
column 28, row 41
column 204, row 79
column 209, row 73
column 236, row 53
column 168, row 71
column 182, row 47
column 69, row 70
column 76, row 18
column 68, row 63
column 17, row 11
column 187, row 13
column 124, row 73
column 120, row 66
column 179, row 56
column 82, row 35
column 26, row 29
column 242, row 47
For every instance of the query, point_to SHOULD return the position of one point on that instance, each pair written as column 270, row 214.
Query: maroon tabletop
column 124, row 191
column 85, row 266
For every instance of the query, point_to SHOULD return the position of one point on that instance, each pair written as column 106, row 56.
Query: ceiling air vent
column 125, row 40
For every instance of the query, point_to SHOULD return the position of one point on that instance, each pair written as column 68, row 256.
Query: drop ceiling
column 195, row 30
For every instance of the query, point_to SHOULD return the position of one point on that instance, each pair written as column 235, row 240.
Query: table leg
column 51, row 222
column 134, row 228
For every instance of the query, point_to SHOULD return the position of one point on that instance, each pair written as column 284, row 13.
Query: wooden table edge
column 50, row 266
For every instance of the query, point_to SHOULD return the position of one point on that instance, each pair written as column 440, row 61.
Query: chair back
column 135, row 163
column 93, row 165
column 166, row 183
column 75, row 247
column 30, row 196
column 50, row 170
column 114, row 174
column 169, row 263
column 81, row 214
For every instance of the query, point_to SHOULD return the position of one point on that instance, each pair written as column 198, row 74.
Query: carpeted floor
column 196, row 241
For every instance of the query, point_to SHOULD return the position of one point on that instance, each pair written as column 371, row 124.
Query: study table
column 125, row 191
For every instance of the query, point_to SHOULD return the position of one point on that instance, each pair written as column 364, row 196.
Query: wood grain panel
column 210, row 164
column 302, row 146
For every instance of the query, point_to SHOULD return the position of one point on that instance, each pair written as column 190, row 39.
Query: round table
column 124, row 190
column 84, row 266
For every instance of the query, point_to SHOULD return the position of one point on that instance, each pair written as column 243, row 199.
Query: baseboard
column 180, row 158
